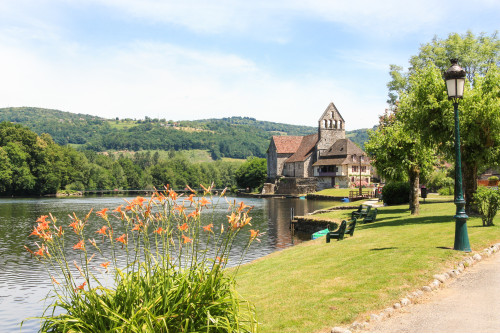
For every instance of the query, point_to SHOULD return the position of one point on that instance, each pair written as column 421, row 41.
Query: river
column 24, row 283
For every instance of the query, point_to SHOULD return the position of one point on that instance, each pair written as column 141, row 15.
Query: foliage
column 35, row 165
column 446, row 191
column 166, row 267
column 493, row 178
column 235, row 137
column 395, row 193
column 439, row 179
column 398, row 153
column 252, row 173
column 479, row 110
column 488, row 203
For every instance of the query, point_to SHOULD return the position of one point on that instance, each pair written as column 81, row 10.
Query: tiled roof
column 342, row 152
column 343, row 147
column 287, row 144
column 305, row 149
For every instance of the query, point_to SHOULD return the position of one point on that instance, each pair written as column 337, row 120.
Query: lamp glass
column 455, row 87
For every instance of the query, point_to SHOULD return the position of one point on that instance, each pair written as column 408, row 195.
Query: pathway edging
column 436, row 282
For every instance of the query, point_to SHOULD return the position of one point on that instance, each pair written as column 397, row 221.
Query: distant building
column 328, row 157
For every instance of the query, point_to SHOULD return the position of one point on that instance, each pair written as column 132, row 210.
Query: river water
column 24, row 283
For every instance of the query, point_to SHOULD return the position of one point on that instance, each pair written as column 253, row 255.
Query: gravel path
column 468, row 304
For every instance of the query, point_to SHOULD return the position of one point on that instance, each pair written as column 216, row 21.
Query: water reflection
column 24, row 283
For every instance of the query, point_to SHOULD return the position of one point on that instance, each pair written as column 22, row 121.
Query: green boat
column 319, row 234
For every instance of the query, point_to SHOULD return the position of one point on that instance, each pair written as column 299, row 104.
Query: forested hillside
column 36, row 165
column 235, row 137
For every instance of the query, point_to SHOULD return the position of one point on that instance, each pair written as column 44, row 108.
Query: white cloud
column 272, row 19
column 166, row 81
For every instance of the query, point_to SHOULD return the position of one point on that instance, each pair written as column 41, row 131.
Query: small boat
column 319, row 234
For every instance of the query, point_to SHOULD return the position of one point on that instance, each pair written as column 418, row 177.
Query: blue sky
column 280, row 61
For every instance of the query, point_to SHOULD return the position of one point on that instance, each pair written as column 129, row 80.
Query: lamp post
column 455, row 82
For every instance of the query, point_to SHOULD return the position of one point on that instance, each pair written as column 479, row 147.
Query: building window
column 354, row 169
column 363, row 169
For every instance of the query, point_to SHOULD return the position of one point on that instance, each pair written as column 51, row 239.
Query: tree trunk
column 414, row 175
column 470, row 186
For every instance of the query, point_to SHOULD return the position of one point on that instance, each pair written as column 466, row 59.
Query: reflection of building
column 326, row 158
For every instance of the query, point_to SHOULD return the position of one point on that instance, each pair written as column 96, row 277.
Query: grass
column 344, row 192
column 314, row 285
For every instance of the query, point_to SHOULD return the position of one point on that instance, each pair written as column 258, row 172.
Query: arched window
column 326, row 123
column 330, row 125
column 340, row 124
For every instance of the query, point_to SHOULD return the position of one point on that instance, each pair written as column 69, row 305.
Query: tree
column 399, row 155
column 252, row 173
column 479, row 111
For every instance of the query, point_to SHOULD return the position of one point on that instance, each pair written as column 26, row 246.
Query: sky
column 280, row 61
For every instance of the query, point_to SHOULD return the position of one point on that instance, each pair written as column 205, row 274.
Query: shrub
column 493, row 178
column 395, row 193
column 446, row 191
column 438, row 180
column 165, row 265
column 488, row 203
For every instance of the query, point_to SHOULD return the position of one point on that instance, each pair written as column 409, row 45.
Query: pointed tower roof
column 331, row 109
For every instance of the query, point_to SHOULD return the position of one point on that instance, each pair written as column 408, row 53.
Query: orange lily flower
column 138, row 200
column 246, row 220
column 41, row 219
column 76, row 225
column 43, row 226
column 186, row 239
column 105, row 265
column 208, row 228
column 35, row 232
column 254, row 234
column 204, row 202
column 191, row 190
column 118, row 209
column 159, row 230
column 190, row 198
column 40, row 251
column 102, row 213
column 80, row 245
column 173, row 195
column 102, row 230
column 122, row 239
column 80, row 287
column 194, row 214
column 180, row 208
column 242, row 207
column 183, row 227
column 137, row 227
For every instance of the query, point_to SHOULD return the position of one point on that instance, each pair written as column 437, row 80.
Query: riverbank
column 315, row 286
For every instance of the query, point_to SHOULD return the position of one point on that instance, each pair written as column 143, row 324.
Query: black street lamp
column 455, row 82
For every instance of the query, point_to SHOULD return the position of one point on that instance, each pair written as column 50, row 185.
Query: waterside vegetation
column 35, row 165
column 165, row 263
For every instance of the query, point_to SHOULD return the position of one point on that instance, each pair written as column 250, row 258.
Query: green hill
column 233, row 137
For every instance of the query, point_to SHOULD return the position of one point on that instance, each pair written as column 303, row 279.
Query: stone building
column 326, row 159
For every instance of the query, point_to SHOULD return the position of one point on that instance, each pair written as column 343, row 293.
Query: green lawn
column 314, row 285
column 344, row 192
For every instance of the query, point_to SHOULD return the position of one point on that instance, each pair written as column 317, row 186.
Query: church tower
column 331, row 128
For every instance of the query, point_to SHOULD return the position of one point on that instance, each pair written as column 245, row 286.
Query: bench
column 346, row 227
column 370, row 217
column 361, row 212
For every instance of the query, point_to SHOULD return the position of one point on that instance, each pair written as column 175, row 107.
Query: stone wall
column 295, row 186
column 268, row 189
